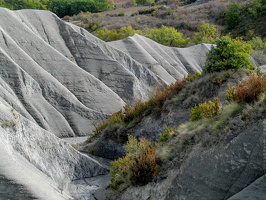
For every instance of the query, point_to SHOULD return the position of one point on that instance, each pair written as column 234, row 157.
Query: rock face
column 235, row 171
column 209, row 166
column 56, row 79
column 52, row 68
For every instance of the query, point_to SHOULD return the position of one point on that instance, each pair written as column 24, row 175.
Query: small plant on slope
column 206, row 110
column 248, row 91
column 167, row 133
column 138, row 167
column 168, row 92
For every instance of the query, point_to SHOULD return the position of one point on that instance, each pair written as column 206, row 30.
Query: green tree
column 228, row 54
column 207, row 34
column 168, row 36
column 21, row 4
column 72, row 7
column 233, row 15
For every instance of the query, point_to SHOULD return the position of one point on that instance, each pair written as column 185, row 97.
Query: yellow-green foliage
column 228, row 54
column 206, row 110
column 168, row 36
column 191, row 77
column 257, row 43
column 110, row 35
column 247, row 91
column 138, row 167
column 167, row 133
column 165, row 35
column 207, row 34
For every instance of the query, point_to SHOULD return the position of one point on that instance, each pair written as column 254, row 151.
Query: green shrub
column 71, row 7
column 257, row 43
column 121, row 14
column 248, row 91
column 191, row 77
column 165, row 35
column 228, row 54
column 143, row 2
column 233, row 15
column 167, row 133
column 138, row 167
column 168, row 36
column 23, row 4
column 110, row 35
column 206, row 110
column 139, row 109
column 208, row 34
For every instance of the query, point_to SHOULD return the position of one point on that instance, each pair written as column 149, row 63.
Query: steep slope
column 222, row 158
column 37, row 161
column 168, row 63
column 56, row 79
column 76, row 76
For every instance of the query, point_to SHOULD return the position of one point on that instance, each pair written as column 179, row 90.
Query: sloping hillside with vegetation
column 188, row 128
column 197, row 130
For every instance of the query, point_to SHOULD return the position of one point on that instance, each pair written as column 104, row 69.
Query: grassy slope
column 185, row 19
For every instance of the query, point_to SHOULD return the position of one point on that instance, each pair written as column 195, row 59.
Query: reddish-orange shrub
column 247, row 91
column 138, row 167
column 168, row 92
column 145, row 167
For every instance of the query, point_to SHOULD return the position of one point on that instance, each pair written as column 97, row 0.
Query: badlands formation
column 57, row 79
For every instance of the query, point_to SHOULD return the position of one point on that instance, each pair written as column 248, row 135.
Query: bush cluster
column 60, row 7
column 207, row 34
column 228, row 54
column 138, row 167
column 71, row 7
column 24, row 4
column 165, row 35
column 208, row 109
column 248, row 91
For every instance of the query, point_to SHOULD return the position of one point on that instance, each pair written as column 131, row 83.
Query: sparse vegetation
column 168, row 92
column 167, row 133
column 138, row 167
column 208, row 109
column 137, row 111
column 8, row 124
column 248, row 91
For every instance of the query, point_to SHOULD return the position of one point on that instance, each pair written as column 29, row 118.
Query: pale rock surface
column 37, row 159
column 56, row 79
